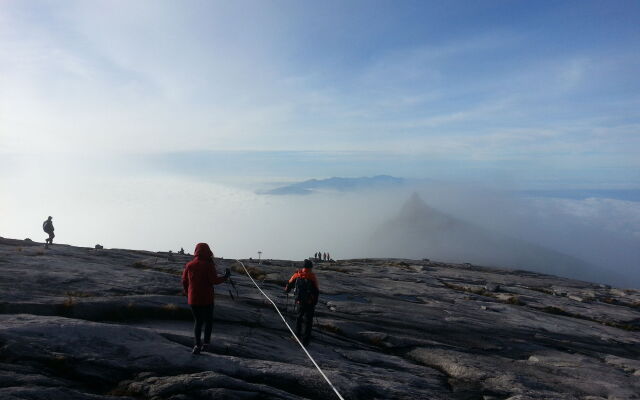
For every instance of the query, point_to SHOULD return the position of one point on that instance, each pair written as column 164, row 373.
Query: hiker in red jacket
column 307, row 293
column 198, row 278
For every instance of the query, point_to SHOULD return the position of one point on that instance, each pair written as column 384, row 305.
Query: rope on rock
column 291, row 330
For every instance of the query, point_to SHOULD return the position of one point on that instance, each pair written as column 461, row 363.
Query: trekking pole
column 231, row 284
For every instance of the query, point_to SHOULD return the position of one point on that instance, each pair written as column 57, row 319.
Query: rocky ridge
column 80, row 323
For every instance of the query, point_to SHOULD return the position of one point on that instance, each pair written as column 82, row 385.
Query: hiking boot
column 196, row 349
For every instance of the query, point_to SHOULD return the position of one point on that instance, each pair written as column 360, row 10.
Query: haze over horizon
column 151, row 124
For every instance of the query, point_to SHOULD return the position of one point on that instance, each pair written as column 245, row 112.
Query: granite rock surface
column 84, row 323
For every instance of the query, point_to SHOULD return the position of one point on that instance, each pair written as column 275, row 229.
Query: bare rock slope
column 80, row 323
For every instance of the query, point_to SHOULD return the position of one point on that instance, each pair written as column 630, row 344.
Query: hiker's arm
column 214, row 278
column 291, row 283
column 185, row 280
column 288, row 287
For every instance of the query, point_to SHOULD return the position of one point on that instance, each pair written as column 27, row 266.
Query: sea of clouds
column 146, row 211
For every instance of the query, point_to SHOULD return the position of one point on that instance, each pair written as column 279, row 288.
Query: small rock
column 492, row 287
column 145, row 375
column 98, row 247
column 483, row 307
column 376, row 338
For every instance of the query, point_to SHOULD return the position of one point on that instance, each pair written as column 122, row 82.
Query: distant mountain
column 420, row 231
column 336, row 184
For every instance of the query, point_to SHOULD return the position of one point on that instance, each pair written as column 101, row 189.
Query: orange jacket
column 304, row 273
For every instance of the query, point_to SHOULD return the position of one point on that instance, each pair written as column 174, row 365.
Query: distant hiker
column 328, row 257
column 181, row 252
column 47, row 226
column 325, row 256
column 198, row 278
column 319, row 254
column 315, row 255
column 307, row 292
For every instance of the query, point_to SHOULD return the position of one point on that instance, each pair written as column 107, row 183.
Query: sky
column 499, row 86
column 100, row 96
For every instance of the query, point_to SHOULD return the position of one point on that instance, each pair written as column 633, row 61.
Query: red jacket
column 199, row 276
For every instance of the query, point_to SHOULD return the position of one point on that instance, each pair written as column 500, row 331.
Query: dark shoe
column 205, row 347
column 196, row 349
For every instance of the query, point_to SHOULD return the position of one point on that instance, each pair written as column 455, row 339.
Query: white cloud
column 615, row 216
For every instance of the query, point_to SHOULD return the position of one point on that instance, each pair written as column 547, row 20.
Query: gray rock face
column 77, row 323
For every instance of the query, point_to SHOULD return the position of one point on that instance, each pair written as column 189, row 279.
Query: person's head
column 49, row 219
column 203, row 251
column 308, row 263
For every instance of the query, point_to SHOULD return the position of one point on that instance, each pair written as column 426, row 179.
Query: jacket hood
column 203, row 251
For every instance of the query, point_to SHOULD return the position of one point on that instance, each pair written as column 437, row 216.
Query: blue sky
column 543, row 92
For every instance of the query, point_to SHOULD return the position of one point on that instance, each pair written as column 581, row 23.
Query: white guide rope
column 291, row 330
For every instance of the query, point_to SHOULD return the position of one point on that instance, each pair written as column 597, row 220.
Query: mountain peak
column 415, row 201
column 415, row 207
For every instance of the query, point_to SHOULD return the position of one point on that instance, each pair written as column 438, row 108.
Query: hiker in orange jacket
column 307, row 293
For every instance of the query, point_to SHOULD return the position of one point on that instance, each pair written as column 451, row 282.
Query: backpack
column 47, row 226
column 305, row 291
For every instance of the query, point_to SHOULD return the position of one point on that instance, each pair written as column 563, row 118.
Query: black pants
column 202, row 315
column 304, row 322
column 50, row 239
